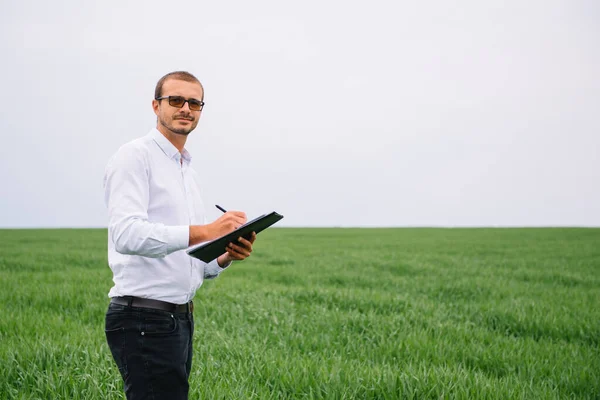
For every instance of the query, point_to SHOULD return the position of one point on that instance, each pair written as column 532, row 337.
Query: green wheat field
column 327, row 314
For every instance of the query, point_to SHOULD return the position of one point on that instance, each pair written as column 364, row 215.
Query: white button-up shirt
column 152, row 198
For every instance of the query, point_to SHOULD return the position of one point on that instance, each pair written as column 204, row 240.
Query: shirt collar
column 167, row 147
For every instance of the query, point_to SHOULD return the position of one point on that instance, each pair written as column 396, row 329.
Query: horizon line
column 345, row 227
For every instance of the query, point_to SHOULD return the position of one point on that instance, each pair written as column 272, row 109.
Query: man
column 155, row 212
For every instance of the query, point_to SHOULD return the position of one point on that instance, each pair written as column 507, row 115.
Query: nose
column 186, row 106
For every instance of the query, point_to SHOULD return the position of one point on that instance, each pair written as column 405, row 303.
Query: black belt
column 154, row 304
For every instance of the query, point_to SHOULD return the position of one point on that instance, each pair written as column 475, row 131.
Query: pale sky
column 333, row 113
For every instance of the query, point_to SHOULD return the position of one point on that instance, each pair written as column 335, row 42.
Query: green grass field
column 327, row 314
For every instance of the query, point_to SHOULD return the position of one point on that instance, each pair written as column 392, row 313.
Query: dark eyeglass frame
column 179, row 101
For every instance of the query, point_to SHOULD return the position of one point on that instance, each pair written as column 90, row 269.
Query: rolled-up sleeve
column 126, row 186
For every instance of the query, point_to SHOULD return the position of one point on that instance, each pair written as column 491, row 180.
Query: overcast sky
column 333, row 113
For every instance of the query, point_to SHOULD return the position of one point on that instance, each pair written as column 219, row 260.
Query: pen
column 220, row 208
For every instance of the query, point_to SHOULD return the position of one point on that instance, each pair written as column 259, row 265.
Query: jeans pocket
column 113, row 325
column 159, row 325
column 114, row 330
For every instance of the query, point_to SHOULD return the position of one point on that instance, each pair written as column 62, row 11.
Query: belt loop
column 129, row 301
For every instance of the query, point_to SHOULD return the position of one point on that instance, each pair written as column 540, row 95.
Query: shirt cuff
column 178, row 238
column 212, row 269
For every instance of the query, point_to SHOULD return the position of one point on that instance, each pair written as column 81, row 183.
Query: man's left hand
column 239, row 250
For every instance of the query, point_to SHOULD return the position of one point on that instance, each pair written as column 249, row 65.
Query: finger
column 235, row 255
column 245, row 243
column 232, row 254
column 240, row 250
column 237, row 221
column 238, row 215
column 253, row 237
column 241, row 221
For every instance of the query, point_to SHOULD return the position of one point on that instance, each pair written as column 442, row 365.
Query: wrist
column 224, row 260
column 198, row 234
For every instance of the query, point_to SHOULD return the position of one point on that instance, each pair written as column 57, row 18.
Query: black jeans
column 153, row 350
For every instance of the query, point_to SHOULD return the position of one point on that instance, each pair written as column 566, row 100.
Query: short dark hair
column 180, row 75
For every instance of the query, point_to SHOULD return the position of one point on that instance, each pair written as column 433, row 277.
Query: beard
column 184, row 130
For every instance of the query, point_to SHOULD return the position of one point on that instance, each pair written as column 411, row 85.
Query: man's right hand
column 226, row 223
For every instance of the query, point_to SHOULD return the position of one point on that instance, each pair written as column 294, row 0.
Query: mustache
column 184, row 116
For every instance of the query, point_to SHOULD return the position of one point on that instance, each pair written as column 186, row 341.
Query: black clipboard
column 208, row 251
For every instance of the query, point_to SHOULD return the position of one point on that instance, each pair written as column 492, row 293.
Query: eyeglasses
column 178, row 101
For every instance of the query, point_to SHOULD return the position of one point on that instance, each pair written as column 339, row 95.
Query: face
column 182, row 120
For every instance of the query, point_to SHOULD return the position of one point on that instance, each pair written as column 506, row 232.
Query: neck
column 176, row 139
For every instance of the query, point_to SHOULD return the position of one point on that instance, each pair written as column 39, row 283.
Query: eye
column 176, row 101
column 195, row 105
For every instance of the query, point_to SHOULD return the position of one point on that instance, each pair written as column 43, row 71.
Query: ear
column 155, row 106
